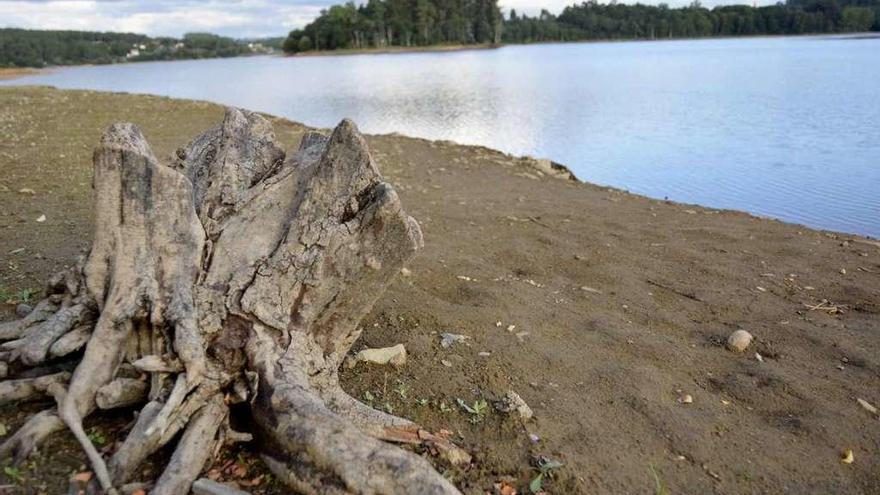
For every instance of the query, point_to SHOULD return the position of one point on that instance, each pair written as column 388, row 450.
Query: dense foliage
column 592, row 20
column 32, row 48
column 380, row 23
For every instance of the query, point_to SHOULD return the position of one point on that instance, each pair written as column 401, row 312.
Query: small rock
column 448, row 339
column 23, row 310
column 511, row 328
column 843, row 271
column 41, row 219
column 446, row 363
column 534, row 438
column 484, row 354
column 406, row 272
column 395, row 355
column 27, row 190
column 512, row 402
column 847, row 457
column 759, row 357
column 739, row 341
column 591, row 290
column 686, row 399
column 498, row 324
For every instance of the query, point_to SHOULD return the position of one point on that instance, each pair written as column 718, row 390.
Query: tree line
column 38, row 48
column 382, row 23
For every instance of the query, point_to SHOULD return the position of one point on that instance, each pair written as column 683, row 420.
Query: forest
column 37, row 48
column 382, row 23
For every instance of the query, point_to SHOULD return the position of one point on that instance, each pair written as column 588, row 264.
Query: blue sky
column 237, row 18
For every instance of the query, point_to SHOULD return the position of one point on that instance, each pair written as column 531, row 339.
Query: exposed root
column 30, row 388
column 193, row 450
column 231, row 276
column 39, row 426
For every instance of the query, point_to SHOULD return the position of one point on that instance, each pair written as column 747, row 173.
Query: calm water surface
column 782, row 127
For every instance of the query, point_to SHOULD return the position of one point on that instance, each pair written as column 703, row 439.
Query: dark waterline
column 781, row 127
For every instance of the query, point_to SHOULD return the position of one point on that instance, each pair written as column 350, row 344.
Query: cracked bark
column 230, row 272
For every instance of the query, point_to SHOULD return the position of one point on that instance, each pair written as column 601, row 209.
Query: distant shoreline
column 488, row 46
column 7, row 73
column 396, row 49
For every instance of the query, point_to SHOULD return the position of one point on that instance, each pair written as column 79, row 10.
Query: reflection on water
column 782, row 127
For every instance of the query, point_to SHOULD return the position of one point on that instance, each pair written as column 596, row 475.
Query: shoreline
column 600, row 308
column 397, row 50
column 494, row 46
column 8, row 73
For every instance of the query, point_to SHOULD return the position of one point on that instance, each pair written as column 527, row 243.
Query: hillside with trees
column 383, row 23
column 37, row 48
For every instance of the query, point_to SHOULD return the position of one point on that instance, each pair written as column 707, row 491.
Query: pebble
column 686, row 399
column 446, row 363
column 27, row 190
column 406, row 272
column 759, row 357
column 511, row 328
column 447, row 340
column 739, row 341
column 395, row 355
column 41, row 219
column 512, row 402
column 23, row 310
column 591, row 290
column 484, row 354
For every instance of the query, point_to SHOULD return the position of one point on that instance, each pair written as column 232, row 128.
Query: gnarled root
column 230, row 275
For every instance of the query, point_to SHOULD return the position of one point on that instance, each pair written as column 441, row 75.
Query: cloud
column 237, row 18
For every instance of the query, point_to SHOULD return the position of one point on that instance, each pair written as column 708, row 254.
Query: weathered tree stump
column 231, row 275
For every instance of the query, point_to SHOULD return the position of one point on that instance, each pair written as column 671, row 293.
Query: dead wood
column 233, row 273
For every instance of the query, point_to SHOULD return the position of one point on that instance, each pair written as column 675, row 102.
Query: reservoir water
column 781, row 127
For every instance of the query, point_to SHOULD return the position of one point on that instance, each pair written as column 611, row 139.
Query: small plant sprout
column 25, row 295
column 545, row 468
column 96, row 437
column 388, row 408
column 445, row 409
column 477, row 410
column 369, row 398
column 13, row 474
column 422, row 402
column 402, row 389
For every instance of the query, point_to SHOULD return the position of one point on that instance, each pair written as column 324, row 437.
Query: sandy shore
column 600, row 308
column 13, row 73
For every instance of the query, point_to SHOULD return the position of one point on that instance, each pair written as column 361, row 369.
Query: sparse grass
column 659, row 487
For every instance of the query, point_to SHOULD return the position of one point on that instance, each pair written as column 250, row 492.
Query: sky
column 236, row 18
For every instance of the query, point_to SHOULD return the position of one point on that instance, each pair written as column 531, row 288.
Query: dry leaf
column 82, row 477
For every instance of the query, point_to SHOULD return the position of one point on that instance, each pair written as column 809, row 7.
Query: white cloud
column 238, row 18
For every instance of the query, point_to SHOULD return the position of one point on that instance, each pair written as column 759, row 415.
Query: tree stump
column 231, row 275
